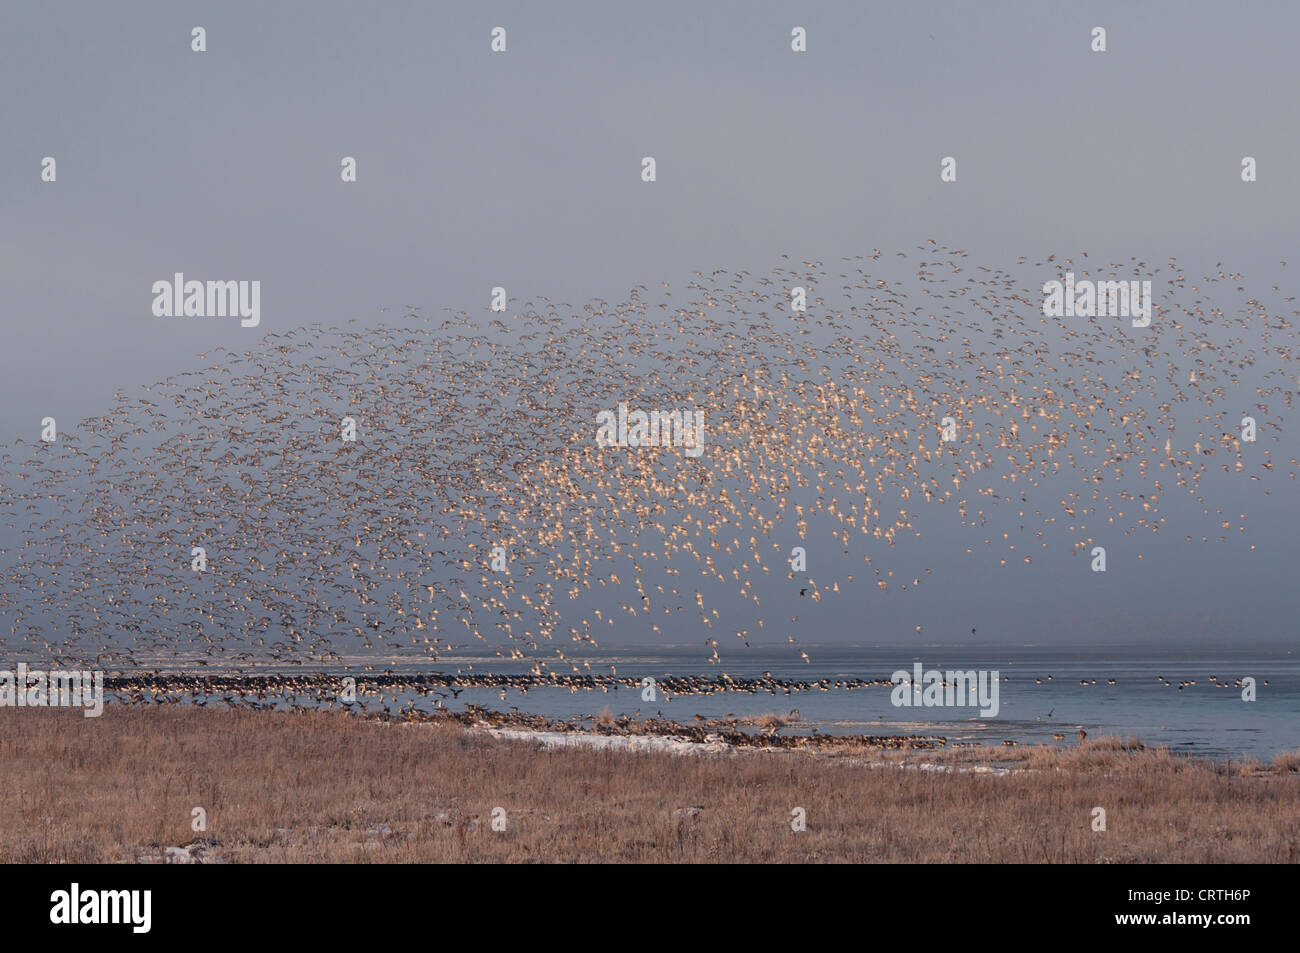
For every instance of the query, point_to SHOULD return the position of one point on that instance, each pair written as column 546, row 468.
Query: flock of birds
column 475, row 444
column 323, row 687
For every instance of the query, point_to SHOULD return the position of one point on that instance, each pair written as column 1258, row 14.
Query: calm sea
column 1040, row 691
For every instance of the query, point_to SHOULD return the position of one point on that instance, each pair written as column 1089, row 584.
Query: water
column 1200, row 719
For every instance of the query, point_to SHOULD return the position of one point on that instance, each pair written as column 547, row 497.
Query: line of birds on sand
column 477, row 439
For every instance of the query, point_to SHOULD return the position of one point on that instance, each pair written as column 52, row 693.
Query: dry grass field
column 331, row 787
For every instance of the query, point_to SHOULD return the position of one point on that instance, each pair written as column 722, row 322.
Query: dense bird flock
column 822, row 430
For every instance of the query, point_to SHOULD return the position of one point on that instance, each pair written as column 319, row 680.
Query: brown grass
column 1287, row 761
column 318, row 786
column 771, row 720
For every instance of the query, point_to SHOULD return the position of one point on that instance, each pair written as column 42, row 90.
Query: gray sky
column 522, row 169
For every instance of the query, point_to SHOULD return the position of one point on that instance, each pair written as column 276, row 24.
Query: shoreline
column 753, row 732
column 758, row 732
column 924, row 752
column 468, row 696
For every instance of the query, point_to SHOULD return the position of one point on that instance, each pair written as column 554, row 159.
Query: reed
column 331, row 787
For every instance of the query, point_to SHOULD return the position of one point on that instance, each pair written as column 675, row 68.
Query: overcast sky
column 522, row 169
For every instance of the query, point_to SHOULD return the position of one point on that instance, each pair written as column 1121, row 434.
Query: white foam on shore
column 590, row 739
